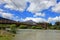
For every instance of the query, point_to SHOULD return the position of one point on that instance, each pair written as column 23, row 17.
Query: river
column 35, row 34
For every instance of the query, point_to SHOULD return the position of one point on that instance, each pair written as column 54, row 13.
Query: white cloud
column 35, row 19
column 6, row 15
column 35, row 6
column 39, row 5
column 8, row 6
column 16, row 18
column 39, row 14
column 9, row 15
column 16, row 4
column 1, row 2
column 1, row 10
column 56, row 8
column 32, row 7
column 42, row 20
column 55, row 19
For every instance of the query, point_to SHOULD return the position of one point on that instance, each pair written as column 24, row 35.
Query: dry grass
column 4, row 35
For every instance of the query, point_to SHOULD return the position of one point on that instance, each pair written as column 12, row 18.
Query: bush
column 58, row 27
column 13, row 28
column 33, row 27
column 52, row 27
column 39, row 28
column 23, row 27
column 36, row 27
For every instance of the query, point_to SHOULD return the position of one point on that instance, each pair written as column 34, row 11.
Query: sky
column 35, row 10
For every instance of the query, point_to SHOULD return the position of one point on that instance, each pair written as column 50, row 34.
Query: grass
column 6, row 38
column 6, row 35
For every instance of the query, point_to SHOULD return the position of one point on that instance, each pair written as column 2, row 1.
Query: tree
column 57, row 23
column 53, row 27
column 3, row 26
column 13, row 28
column 49, row 26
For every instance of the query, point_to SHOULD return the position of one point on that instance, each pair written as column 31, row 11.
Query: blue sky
column 43, row 11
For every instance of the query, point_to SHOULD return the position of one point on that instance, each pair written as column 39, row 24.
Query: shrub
column 39, row 28
column 23, row 27
column 52, row 27
column 33, row 27
column 13, row 28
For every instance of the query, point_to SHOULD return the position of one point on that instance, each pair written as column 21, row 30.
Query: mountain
column 9, row 21
column 30, row 22
column 4, row 20
column 1, row 17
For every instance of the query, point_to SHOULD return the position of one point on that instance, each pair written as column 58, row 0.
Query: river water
column 34, row 34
